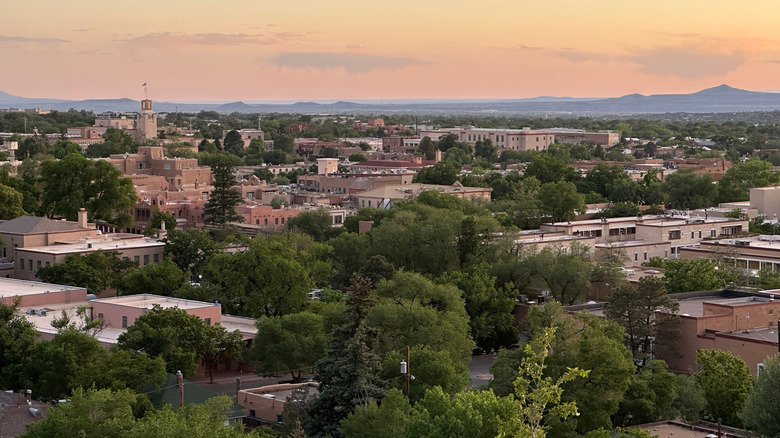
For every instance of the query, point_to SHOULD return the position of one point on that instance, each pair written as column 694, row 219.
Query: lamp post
column 406, row 371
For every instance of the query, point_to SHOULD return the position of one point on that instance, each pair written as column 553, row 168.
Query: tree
column 10, row 203
column 316, row 223
column 489, row 308
column 636, row 309
column 486, row 150
column 685, row 275
column 163, row 278
column 735, row 185
column 357, row 158
column 176, row 336
column 291, row 343
column 442, row 173
column 550, row 169
column 221, row 206
column 386, row 420
column 649, row 396
column 17, row 341
column 539, row 396
column 157, row 219
column 219, row 346
column 760, row 414
column 430, row 369
column 726, row 382
column 64, row 147
column 116, row 141
column 95, row 271
column 75, row 182
column 273, row 277
column 348, row 374
column 415, row 311
column 566, row 273
column 190, row 249
column 427, row 148
column 686, row 190
column 560, row 200
column 690, row 402
column 234, row 143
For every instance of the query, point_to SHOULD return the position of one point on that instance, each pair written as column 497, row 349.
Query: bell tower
column 147, row 121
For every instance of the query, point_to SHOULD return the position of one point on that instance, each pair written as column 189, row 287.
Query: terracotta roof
column 35, row 225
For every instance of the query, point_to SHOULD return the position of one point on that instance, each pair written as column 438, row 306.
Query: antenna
column 146, row 95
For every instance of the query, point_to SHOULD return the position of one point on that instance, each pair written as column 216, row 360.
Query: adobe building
column 741, row 323
column 266, row 403
column 37, row 294
column 139, row 249
column 749, row 253
column 121, row 312
column 351, row 183
column 180, row 173
column 31, row 231
column 384, row 197
column 679, row 232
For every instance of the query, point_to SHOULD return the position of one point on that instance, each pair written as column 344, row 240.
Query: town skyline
column 347, row 50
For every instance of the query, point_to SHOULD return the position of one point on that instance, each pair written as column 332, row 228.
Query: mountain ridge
column 719, row 99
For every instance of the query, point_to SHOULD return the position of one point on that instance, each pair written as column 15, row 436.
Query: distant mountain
column 720, row 99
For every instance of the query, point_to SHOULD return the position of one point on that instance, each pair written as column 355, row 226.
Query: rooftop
column 89, row 245
column 10, row 287
column 37, row 225
column 147, row 301
column 403, row 190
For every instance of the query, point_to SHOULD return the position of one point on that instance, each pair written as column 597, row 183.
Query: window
column 100, row 316
column 759, row 367
column 636, row 256
column 208, row 321
column 713, row 233
column 699, row 234
column 38, row 264
column 47, row 263
column 666, row 254
column 645, row 256
column 137, row 260
column 675, row 234
column 771, row 311
column 167, row 166
column 124, row 322
column 146, row 259
column 30, row 261
column 692, row 233
column 21, row 264
column 156, row 257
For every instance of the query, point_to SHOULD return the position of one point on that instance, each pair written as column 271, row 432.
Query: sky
column 261, row 50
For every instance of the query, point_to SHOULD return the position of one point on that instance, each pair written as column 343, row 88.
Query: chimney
column 82, row 218
column 418, row 160
column 438, row 156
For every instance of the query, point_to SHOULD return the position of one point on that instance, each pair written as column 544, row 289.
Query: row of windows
column 30, row 264
column 265, row 221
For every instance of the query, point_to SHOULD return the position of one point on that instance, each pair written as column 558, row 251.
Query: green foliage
column 179, row 338
column 690, row 402
column 415, row 311
column 735, row 185
column 273, row 277
column 233, row 143
column 565, row 273
column 539, row 396
column 116, row 141
column 291, row 343
column 685, row 275
column 104, row 413
column 761, row 414
column 10, row 203
column 430, row 369
column 489, row 308
column 95, row 271
column 649, row 396
column 64, row 147
column 190, row 249
column 221, row 206
column 316, row 223
column 357, row 158
column 686, row 190
column 560, row 201
column 442, row 173
column 157, row 219
column 636, row 309
column 75, row 182
column 386, row 420
column 17, row 341
column 348, row 374
column 620, row 209
column 163, row 278
column 726, row 382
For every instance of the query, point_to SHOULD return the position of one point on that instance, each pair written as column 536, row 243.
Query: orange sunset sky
column 349, row 49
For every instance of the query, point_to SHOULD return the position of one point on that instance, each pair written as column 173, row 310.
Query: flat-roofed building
column 121, row 312
column 139, row 249
column 749, row 253
column 37, row 294
column 383, row 197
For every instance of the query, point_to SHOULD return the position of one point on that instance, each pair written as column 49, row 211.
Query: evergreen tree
column 221, row 208
column 348, row 374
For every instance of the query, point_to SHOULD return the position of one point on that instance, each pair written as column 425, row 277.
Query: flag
column 144, row 84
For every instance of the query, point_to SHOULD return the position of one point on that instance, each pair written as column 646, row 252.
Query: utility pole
column 180, row 384
column 406, row 371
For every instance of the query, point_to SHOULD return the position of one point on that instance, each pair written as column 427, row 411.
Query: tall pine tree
column 221, row 207
column 348, row 374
